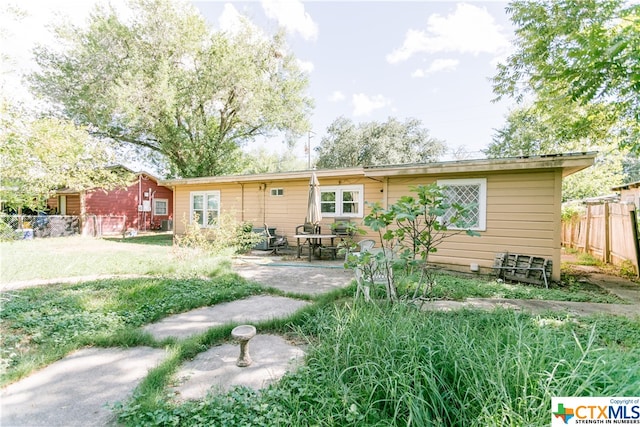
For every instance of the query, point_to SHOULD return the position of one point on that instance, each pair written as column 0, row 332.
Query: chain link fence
column 17, row 227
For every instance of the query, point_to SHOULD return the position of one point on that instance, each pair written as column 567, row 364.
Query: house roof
column 569, row 163
column 627, row 186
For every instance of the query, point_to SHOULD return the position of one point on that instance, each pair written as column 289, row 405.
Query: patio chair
column 363, row 246
column 342, row 227
column 308, row 228
column 374, row 273
column 275, row 241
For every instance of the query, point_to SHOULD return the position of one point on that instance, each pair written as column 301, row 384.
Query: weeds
column 384, row 365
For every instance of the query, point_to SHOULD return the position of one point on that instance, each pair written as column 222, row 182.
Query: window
column 344, row 201
column 277, row 191
column 470, row 193
column 161, row 207
column 205, row 208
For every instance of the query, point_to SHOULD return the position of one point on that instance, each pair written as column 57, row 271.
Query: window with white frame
column 342, row 200
column 277, row 192
column 160, row 207
column 471, row 194
column 205, row 207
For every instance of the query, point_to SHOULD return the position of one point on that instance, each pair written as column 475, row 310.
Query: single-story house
column 143, row 205
column 518, row 199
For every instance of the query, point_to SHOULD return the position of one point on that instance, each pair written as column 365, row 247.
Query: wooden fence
column 608, row 231
column 104, row 225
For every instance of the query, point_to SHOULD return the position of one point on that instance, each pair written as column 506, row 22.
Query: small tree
column 410, row 230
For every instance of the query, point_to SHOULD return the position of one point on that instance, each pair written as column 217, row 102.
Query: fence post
column 587, row 228
column 634, row 230
column 606, row 254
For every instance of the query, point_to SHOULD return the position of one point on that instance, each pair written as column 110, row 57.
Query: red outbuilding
column 143, row 205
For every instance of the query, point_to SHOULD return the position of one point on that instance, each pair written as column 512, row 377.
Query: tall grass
column 397, row 366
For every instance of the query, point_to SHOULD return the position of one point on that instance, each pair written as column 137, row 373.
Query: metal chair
column 275, row 241
column 306, row 228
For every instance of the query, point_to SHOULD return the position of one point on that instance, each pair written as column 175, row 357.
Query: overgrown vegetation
column 410, row 230
column 228, row 237
column 367, row 364
column 395, row 365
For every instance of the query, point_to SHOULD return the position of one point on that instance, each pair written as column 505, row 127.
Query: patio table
column 315, row 241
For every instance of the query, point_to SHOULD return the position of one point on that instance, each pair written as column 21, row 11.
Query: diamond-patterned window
column 470, row 193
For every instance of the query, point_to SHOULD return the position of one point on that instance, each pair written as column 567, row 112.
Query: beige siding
column 523, row 211
column 522, row 217
column 254, row 203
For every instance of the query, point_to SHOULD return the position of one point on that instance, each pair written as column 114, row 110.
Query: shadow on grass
column 160, row 239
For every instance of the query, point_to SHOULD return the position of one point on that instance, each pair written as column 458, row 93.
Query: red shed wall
column 125, row 202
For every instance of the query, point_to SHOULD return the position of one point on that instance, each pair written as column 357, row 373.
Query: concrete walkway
column 76, row 390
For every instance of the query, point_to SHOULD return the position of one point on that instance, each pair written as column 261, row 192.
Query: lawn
column 374, row 364
column 26, row 260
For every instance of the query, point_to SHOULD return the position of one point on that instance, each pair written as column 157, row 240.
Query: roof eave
column 569, row 163
column 264, row 177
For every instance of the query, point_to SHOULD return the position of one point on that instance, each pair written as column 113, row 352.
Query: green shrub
column 228, row 236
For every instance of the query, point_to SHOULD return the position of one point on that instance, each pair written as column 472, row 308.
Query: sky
column 367, row 60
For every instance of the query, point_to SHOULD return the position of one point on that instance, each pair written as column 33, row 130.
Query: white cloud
column 469, row 29
column 306, row 66
column 442, row 65
column 230, row 20
column 436, row 66
column 233, row 22
column 291, row 15
column 337, row 96
column 365, row 104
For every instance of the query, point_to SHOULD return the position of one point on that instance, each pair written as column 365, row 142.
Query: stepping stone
column 75, row 391
column 215, row 369
column 297, row 279
column 253, row 309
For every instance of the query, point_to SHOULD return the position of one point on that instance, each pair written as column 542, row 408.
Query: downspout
column 264, row 204
column 241, row 201
column 152, row 194
column 139, row 199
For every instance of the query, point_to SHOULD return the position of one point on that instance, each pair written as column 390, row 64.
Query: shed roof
column 627, row 186
column 569, row 163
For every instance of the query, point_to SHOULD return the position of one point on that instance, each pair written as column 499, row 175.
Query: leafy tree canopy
column 38, row 156
column 372, row 143
column 585, row 52
column 530, row 132
column 260, row 160
column 161, row 79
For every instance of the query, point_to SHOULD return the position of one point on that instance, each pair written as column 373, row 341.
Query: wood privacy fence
column 608, row 231
column 104, row 225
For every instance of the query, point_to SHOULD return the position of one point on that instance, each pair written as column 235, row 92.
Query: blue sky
column 367, row 60
column 372, row 60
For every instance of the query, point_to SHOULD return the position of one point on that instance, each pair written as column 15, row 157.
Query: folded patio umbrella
column 314, row 214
